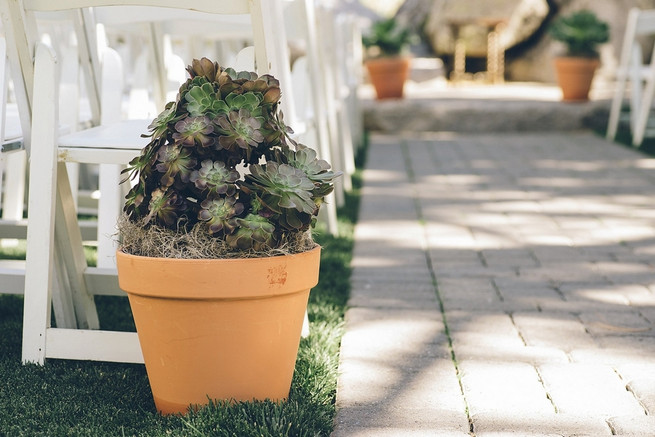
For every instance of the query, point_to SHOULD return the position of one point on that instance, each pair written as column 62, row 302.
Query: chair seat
column 120, row 142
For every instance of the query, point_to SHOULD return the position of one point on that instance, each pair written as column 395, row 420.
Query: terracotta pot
column 574, row 76
column 218, row 329
column 388, row 76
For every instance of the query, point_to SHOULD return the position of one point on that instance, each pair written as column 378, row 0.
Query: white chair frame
column 641, row 77
column 55, row 262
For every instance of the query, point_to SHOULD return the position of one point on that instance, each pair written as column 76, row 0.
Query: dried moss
column 159, row 242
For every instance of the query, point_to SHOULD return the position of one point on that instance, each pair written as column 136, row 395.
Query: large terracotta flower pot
column 388, row 76
column 218, row 329
column 574, row 76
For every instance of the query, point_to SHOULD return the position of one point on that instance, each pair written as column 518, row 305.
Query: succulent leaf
column 219, row 214
column 317, row 170
column 159, row 125
column 165, row 207
column 239, row 129
column 249, row 101
column 173, row 160
column 253, row 232
column 285, row 190
column 194, row 130
column 203, row 100
column 215, row 177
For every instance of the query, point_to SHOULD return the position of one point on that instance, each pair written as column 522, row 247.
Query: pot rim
column 232, row 278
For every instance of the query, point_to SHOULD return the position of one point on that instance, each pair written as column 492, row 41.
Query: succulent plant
column 215, row 177
column 221, row 161
column 165, row 207
column 255, row 232
column 284, row 190
column 239, row 129
column 581, row 31
column 220, row 213
column 387, row 37
column 174, row 160
column 194, row 130
column 202, row 99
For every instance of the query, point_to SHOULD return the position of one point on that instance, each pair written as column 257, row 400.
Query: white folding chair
column 309, row 90
column 331, row 53
column 639, row 75
column 54, row 241
column 12, row 156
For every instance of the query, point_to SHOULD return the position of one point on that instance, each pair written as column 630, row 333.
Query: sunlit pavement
column 503, row 284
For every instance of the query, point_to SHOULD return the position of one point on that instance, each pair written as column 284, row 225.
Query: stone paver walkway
column 503, row 284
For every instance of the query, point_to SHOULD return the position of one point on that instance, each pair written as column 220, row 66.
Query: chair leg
column 69, row 245
column 615, row 109
column 109, row 207
column 39, row 268
column 51, row 201
column 644, row 108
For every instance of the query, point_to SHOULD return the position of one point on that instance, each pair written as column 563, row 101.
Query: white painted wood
column 641, row 77
column 69, row 113
column 14, row 189
column 245, row 59
column 59, row 270
column 68, row 240
column 343, row 96
column 326, row 48
column 3, row 116
column 272, row 52
column 645, row 106
column 3, row 90
column 19, row 28
column 12, row 273
column 103, row 281
column 111, row 200
column 301, row 21
column 94, row 345
column 228, row 7
column 39, row 269
column 125, row 135
column 17, row 229
column 352, row 74
column 13, row 165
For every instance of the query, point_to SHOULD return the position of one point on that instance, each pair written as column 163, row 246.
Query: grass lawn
column 79, row 398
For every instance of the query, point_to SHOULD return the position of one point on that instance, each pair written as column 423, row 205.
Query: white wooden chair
column 55, row 260
column 12, row 161
column 310, row 93
column 12, row 226
column 639, row 75
column 331, row 56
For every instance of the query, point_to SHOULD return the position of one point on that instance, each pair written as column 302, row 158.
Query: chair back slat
column 227, row 7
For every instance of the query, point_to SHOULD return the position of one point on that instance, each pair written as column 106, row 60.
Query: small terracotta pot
column 574, row 76
column 388, row 76
column 224, row 329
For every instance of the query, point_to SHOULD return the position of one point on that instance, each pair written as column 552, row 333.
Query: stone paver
column 503, row 284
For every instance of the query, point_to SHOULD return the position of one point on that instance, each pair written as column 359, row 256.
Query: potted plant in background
column 387, row 66
column 216, row 253
column 581, row 32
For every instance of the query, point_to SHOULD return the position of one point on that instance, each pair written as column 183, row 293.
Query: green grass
column 76, row 398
